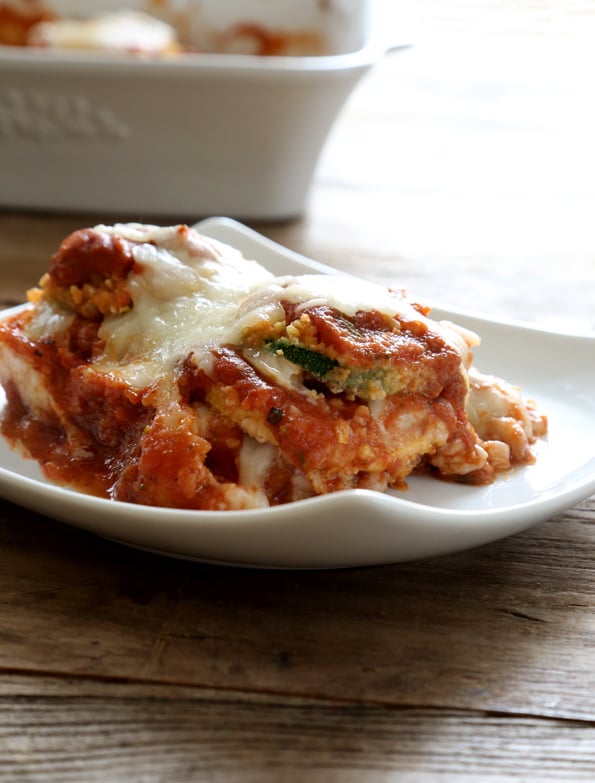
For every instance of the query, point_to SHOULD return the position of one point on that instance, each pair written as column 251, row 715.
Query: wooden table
column 463, row 170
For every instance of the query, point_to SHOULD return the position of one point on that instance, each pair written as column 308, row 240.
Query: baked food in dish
column 155, row 365
column 16, row 22
column 155, row 32
column 131, row 31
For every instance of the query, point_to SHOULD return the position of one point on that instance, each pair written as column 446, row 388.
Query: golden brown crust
column 88, row 274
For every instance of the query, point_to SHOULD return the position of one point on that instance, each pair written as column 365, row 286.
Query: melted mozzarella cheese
column 184, row 300
column 345, row 294
column 191, row 294
column 254, row 465
column 124, row 31
column 47, row 319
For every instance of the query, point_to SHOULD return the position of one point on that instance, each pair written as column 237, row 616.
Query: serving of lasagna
column 158, row 366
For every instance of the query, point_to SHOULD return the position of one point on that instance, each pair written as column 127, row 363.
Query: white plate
column 361, row 527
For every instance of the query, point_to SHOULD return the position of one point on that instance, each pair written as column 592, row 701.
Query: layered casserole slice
column 158, row 366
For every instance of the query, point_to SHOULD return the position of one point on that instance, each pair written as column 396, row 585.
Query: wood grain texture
column 84, row 730
column 489, row 629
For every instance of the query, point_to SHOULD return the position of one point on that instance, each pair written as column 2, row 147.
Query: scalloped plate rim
column 331, row 531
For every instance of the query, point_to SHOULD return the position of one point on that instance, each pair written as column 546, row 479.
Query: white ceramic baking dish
column 197, row 134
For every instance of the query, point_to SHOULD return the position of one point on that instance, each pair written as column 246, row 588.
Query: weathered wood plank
column 88, row 731
column 489, row 629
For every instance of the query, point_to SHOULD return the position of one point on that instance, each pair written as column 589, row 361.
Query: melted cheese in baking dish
column 120, row 31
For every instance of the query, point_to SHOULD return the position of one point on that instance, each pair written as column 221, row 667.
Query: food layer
column 155, row 365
